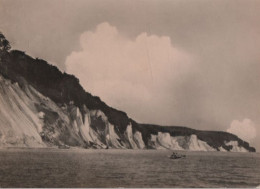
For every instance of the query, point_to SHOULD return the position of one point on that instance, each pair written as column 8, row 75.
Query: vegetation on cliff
column 63, row 88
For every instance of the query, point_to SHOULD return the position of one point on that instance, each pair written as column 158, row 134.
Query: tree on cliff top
column 4, row 43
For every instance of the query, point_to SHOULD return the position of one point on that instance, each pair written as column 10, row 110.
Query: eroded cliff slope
column 41, row 106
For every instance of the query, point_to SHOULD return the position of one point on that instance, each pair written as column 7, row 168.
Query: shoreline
column 78, row 149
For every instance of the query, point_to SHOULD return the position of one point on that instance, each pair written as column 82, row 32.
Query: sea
column 88, row 168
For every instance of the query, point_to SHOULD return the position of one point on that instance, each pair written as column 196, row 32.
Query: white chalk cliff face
column 129, row 137
column 20, row 122
column 165, row 141
column 29, row 119
column 135, row 140
column 197, row 145
column 111, row 137
column 235, row 147
column 139, row 140
column 80, row 128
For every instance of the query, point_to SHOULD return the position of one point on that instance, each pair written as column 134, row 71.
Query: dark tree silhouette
column 4, row 43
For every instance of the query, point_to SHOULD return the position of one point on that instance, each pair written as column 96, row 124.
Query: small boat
column 177, row 156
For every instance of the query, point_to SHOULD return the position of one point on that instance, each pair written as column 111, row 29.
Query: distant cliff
column 41, row 106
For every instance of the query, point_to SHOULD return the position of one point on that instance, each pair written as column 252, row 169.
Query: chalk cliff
column 41, row 106
column 29, row 119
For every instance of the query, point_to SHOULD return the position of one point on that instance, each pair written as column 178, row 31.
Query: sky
column 172, row 62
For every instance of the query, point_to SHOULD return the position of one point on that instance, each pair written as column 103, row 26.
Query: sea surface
column 126, row 168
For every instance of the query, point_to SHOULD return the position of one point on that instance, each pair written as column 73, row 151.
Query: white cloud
column 245, row 129
column 135, row 75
